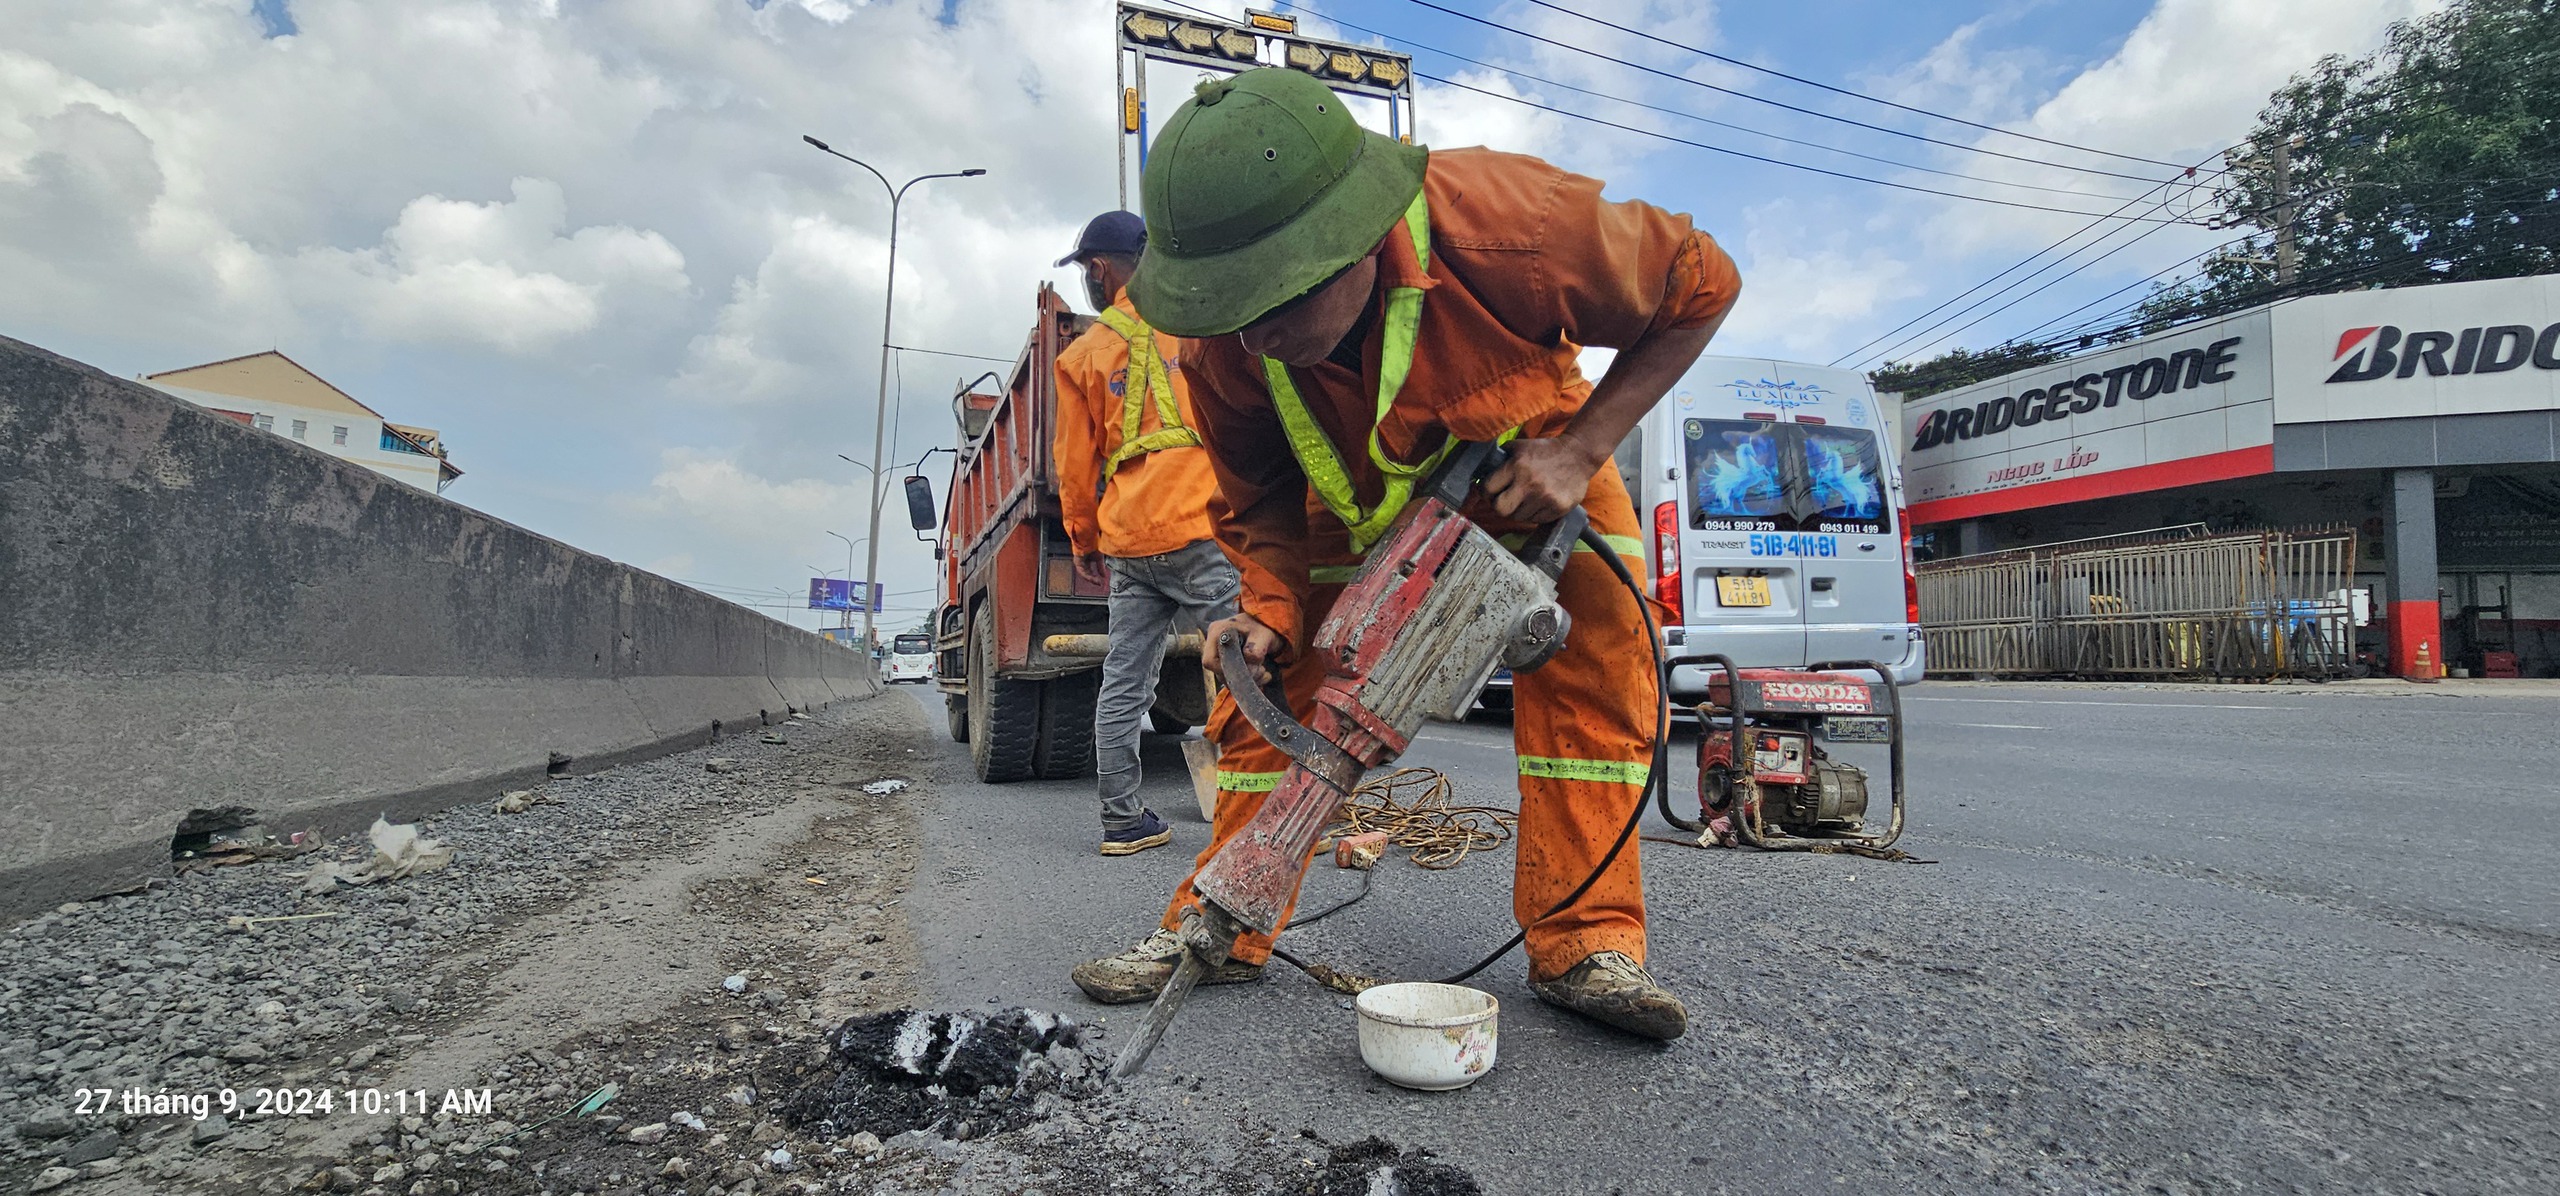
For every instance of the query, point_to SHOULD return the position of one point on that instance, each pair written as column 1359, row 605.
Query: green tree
column 1958, row 367
column 2433, row 159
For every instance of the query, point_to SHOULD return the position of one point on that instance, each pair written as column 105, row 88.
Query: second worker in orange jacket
column 1134, row 489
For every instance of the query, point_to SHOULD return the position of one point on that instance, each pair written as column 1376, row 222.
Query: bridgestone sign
column 2201, row 403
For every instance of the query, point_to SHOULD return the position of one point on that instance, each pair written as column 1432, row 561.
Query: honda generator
column 1764, row 778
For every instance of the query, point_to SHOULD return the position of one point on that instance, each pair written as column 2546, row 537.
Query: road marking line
column 2089, row 702
column 2005, row 726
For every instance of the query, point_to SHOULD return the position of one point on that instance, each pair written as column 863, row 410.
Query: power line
column 1954, row 145
column 1934, row 336
column 949, row 353
column 1837, row 174
column 1959, row 296
column 1517, row 73
column 2155, row 276
column 1752, row 66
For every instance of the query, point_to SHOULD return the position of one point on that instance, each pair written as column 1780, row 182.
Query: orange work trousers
column 1582, row 729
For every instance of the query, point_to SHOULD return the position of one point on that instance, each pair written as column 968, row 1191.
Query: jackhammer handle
column 1262, row 703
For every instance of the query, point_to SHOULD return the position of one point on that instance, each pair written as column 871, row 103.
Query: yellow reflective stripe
column 1317, row 457
column 1249, row 782
column 1626, row 546
column 1559, row 768
column 1148, row 376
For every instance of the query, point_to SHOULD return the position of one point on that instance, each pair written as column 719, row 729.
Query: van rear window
column 1844, row 480
column 1756, row 475
column 1737, row 475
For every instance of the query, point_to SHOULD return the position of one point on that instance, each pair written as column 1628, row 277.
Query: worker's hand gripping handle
column 1547, row 549
column 1268, row 711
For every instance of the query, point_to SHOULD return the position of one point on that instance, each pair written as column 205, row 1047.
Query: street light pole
column 848, row 576
column 880, row 413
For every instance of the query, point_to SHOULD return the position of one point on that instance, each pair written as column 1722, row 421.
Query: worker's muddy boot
column 1609, row 987
column 1140, row 972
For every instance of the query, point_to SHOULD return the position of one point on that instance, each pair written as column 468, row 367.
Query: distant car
column 910, row 659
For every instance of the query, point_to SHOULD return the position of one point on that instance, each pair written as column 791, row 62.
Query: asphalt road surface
column 2174, row 939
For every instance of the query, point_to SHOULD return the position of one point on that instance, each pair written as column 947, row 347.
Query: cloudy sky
column 584, row 240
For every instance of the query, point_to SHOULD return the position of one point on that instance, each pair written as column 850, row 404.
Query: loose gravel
column 124, row 1019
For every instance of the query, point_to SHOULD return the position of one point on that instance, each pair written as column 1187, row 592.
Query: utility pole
column 2280, row 177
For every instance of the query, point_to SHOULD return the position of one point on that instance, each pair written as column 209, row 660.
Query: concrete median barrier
column 198, row 613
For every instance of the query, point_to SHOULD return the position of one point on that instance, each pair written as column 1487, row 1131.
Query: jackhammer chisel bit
column 1207, row 937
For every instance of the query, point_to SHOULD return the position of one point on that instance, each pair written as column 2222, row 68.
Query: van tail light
column 1666, row 556
column 1910, row 573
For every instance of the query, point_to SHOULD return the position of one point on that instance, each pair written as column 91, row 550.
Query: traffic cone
column 2425, row 666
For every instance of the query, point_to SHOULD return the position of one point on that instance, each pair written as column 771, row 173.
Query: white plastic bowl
column 1434, row 1037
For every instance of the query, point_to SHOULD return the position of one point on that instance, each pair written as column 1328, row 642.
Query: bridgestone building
column 2427, row 418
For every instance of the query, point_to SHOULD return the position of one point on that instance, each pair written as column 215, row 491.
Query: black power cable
column 1656, row 772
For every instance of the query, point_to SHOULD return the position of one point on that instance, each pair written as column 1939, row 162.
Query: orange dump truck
column 1020, row 632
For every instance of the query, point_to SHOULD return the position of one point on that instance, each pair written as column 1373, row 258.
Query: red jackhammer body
column 1437, row 606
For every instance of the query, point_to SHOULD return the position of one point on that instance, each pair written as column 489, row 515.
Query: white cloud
column 499, row 274
column 1800, row 295
column 720, row 497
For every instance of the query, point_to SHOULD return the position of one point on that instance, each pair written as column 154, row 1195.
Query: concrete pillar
column 1973, row 537
column 2417, row 621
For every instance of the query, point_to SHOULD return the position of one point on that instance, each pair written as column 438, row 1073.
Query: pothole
column 958, row 1075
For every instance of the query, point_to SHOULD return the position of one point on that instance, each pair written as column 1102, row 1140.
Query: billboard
column 2171, row 410
column 2459, row 348
column 835, row 593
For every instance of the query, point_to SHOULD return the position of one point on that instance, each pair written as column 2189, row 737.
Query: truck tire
column 1166, row 722
column 1066, row 726
column 955, row 711
column 1004, row 715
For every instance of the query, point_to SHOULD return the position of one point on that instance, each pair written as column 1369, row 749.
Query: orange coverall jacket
column 1154, row 503
column 1528, row 264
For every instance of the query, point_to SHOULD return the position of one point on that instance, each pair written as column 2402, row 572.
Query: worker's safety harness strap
column 1315, row 451
column 1149, row 378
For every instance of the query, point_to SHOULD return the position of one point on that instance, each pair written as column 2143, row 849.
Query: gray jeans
column 1194, row 583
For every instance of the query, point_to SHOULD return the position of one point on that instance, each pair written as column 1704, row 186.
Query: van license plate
column 1742, row 591
column 1856, row 729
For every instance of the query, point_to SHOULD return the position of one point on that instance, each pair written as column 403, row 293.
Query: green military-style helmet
column 1259, row 188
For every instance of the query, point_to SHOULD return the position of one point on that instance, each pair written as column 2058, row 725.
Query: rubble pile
column 956, row 1075
column 1375, row 1167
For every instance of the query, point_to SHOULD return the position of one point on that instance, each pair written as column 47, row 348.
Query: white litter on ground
column 884, row 788
column 398, row 851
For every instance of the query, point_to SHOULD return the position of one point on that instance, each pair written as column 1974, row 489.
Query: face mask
column 1093, row 292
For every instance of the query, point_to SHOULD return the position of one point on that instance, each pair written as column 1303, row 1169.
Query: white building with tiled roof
column 272, row 392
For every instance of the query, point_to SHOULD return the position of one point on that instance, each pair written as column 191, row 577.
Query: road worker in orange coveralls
column 1133, row 490
column 1353, row 306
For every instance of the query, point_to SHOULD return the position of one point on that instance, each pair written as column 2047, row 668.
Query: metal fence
column 2246, row 605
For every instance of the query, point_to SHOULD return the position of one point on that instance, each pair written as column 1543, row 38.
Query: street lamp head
column 814, row 141
column 973, row 172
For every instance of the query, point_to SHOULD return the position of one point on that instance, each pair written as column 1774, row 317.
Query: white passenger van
column 1774, row 496
column 910, row 658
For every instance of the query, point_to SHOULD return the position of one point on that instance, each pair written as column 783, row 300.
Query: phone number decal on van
column 1794, row 544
